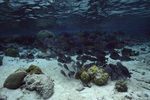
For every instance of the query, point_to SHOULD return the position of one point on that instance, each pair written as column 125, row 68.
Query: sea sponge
column 34, row 69
column 102, row 79
column 85, row 77
column 121, row 86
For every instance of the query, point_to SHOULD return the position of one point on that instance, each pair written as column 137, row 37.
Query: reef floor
column 66, row 88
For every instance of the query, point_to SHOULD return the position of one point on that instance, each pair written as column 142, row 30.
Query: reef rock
column 121, row 86
column 125, row 58
column 40, row 83
column 14, row 80
column 126, row 51
column 34, row 70
column 12, row 52
column 26, row 55
column 42, row 35
column 114, row 55
column 43, row 54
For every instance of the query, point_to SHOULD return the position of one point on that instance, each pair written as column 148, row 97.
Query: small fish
column 73, row 66
column 71, row 73
column 92, row 59
column 62, row 72
column 79, row 65
column 59, row 64
column 66, row 67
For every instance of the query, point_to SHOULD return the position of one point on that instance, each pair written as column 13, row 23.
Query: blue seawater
column 30, row 16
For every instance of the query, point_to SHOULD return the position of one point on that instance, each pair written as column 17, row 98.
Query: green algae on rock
column 34, row 70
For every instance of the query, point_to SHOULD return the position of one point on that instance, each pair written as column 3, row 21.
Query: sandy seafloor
column 65, row 87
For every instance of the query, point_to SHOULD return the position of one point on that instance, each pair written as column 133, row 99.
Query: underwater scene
column 74, row 49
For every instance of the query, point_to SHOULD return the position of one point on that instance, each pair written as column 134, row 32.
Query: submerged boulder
column 43, row 34
column 14, row 80
column 41, row 54
column 40, row 83
column 114, row 55
column 125, row 58
column 26, row 55
column 12, row 52
column 126, row 51
column 121, row 86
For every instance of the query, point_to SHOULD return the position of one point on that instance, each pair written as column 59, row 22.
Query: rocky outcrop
column 40, row 83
